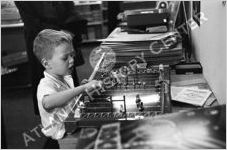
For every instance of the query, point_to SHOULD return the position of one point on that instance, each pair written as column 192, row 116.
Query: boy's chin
column 69, row 72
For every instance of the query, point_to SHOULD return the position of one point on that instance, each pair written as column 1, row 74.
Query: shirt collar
column 57, row 81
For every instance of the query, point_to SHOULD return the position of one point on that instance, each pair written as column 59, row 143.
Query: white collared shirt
column 53, row 121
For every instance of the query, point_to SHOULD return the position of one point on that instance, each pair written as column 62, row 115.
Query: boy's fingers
column 94, row 84
column 99, row 84
column 84, row 81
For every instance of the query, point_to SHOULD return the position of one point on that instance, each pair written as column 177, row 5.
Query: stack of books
column 165, row 48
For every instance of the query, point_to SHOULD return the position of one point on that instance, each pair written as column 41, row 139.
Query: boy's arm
column 59, row 99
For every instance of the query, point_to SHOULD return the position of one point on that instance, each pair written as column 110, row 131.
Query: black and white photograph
column 113, row 74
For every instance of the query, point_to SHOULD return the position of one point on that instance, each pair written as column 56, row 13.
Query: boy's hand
column 92, row 85
column 84, row 81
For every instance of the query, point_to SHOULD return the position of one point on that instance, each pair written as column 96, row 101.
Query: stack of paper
column 152, row 47
column 190, row 95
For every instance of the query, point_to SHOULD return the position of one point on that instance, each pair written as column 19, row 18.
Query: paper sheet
column 193, row 96
column 109, row 137
column 176, row 89
column 125, row 37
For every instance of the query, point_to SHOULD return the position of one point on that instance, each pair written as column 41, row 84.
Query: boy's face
column 62, row 60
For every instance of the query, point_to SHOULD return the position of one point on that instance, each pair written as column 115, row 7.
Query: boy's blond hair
column 46, row 42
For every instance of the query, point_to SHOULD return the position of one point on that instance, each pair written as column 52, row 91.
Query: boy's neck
column 59, row 77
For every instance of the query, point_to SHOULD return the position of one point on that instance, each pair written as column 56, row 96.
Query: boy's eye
column 64, row 58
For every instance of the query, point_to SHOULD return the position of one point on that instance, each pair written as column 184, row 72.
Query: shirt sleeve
column 45, row 88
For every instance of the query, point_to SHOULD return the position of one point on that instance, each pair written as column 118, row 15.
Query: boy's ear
column 45, row 63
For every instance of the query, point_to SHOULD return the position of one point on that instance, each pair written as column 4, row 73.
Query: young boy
column 56, row 93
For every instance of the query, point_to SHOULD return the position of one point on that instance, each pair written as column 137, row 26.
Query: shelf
column 13, row 25
column 91, row 41
column 5, row 71
column 94, row 23
column 93, row 11
column 87, row 3
column 14, row 59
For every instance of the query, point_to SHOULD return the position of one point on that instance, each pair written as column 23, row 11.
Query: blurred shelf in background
column 96, row 13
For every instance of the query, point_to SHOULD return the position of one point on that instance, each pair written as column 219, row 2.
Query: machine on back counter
column 146, row 20
column 129, row 92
